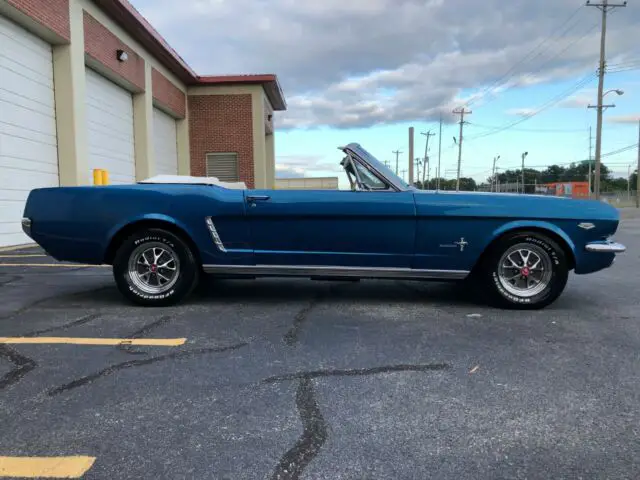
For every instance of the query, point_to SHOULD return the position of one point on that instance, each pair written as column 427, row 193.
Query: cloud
column 624, row 119
column 581, row 99
column 521, row 112
column 359, row 63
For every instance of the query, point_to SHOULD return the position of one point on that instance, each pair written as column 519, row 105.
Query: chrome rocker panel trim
column 324, row 271
column 605, row 247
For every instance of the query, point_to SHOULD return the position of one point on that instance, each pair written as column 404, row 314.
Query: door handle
column 257, row 198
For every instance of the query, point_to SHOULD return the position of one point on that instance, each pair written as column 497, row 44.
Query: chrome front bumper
column 605, row 247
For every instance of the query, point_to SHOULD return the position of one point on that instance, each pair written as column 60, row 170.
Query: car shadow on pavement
column 364, row 291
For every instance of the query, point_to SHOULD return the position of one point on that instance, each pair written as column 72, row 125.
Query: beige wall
column 69, row 91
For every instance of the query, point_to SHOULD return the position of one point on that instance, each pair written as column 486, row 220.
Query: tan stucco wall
column 69, row 91
column 143, row 129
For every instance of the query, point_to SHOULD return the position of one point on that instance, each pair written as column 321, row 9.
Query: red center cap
column 525, row 272
column 154, row 268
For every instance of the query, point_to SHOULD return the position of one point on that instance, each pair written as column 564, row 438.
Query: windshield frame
column 380, row 168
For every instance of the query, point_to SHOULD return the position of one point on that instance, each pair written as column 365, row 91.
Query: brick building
column 87, row 84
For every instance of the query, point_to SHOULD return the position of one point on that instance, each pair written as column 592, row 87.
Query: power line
column 540, row 67
column 529, row 130
column 580, row 84
column 513, row 68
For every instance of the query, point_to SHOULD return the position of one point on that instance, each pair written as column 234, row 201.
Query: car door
column 331, row 227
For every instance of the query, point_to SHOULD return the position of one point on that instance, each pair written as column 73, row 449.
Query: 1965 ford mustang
column 160, row 236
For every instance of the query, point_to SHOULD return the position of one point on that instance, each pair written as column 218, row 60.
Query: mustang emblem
column 462, row 243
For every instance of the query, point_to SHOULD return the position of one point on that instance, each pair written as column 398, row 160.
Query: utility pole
column 439, row 154
column 403, row 173
column 426, row 153
column 605, row 7
column 638, row 171
column 462, row 112
column 397, row 152
column 629, row 182
column 590, row 160
column 417, row 161
column 494, row 180
column 411, row 134
column 523, row 184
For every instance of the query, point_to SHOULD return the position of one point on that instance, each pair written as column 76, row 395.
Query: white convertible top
column 195, row 180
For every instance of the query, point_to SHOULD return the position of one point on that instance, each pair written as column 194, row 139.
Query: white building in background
column 315, row 183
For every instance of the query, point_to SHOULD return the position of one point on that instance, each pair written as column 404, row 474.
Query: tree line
column 574, row 172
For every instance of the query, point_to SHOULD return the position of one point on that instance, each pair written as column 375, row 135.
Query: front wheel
column 525, row 270
column 154, row 267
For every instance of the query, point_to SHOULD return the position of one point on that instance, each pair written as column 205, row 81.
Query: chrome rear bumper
column 26, row 226
column 605, row 247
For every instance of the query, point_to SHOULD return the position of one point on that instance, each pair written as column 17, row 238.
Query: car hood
column 519, row 205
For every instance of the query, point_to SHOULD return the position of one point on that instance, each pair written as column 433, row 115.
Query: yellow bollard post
column 97, row 176
column 105, row 177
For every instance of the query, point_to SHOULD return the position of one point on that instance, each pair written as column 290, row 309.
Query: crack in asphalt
column 22, row 364
column 314, row 426
column 358, row 372
column 291, row 337
column 143, row 331
column 37, row 303
column 11, row 279
column 314, row 434
column 74, row 323
column 138, row 363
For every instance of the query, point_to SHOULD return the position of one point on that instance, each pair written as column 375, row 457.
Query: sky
column 366, row 70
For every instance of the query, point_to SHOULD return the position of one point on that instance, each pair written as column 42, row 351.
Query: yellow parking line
column 15, row 248
column 45, row 467
column 23, row 255
column 76, row 265
column 152, row 342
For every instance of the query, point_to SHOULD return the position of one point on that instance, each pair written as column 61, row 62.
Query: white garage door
column 110, row 129
column 165, row 144
column 28, row 148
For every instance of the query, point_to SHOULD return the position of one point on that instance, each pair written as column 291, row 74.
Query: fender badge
column 586, row 225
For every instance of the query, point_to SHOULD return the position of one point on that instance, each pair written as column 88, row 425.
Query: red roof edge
column 139, row 28
column 269, row 82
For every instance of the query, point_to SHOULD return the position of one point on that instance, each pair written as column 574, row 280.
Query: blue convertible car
column 162, row 237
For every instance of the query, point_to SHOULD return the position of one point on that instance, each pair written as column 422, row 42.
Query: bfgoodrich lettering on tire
column 524, row 270
column 154, row 267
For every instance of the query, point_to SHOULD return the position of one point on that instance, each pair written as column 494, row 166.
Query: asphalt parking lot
column 287, row 379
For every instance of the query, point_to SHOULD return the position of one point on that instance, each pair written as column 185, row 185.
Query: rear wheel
column 524, row 270
column 155, row 267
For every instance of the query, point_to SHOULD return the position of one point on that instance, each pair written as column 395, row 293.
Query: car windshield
column 378, row 165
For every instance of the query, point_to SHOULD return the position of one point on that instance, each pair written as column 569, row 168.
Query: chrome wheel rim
column 525, row 270
column 154, row 268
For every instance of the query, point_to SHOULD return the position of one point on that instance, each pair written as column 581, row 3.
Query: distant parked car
column 163, row 234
